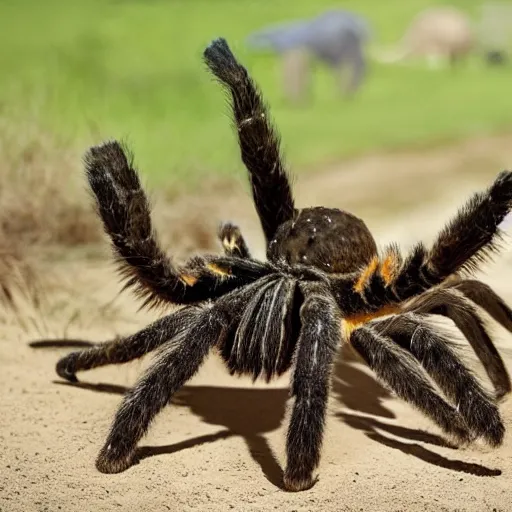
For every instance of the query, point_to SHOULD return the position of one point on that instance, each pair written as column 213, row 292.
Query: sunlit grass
column 88, row 70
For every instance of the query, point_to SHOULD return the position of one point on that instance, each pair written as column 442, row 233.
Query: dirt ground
column 220, row 445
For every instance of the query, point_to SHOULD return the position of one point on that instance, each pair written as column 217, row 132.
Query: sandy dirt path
column 220, row 446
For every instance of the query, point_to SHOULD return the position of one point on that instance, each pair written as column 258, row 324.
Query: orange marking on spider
column 366, row 274
column 188, row 279
column 219, row 270
column 351, row 323
column 389, row 268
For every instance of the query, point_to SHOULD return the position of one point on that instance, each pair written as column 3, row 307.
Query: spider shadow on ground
column 253, row 412
column 360, row 392
column 244, row 412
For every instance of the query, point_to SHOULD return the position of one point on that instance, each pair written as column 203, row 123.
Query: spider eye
column 311, row 239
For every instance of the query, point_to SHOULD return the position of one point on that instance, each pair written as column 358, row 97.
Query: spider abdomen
column 329, row 239
column 263, row 341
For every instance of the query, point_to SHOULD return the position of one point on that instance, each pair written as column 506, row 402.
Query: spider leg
column 465, row 317
column 438, row 358
column 258, row 140
column 486, row 298
column 232, row 241
column 396, row 368
column 468, row 239
column 132, row 347
column 318, row 343
column 124, row 209
column 471, row 236
column 174, row 366
column 177, row 361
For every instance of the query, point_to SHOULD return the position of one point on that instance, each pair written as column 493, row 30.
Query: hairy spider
column 324, row 284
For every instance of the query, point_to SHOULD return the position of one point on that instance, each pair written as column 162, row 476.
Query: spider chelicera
column 325, row 283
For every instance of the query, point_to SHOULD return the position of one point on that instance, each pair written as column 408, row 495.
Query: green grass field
column 85, row 70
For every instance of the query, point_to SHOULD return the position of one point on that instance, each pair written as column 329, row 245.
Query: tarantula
column 324, row 284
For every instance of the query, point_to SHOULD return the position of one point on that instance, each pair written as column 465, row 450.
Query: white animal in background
column 440, row 34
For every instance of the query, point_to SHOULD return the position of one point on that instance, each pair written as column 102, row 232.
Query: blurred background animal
column 440, row 34
column 495, row 32
column 335, row 38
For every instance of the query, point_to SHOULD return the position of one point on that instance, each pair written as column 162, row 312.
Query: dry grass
column 42, row 193
column 46, row 210
column 43, row 203
column 17, row 276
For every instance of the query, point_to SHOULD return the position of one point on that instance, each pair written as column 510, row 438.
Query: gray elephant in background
column 335, row 38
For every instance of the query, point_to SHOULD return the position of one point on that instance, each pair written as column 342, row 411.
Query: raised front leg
column 468, row 240
column 124, row 209
column 472, row 235
column 258, row 140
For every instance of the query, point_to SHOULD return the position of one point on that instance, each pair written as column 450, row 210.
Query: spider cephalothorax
column 325, row 284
